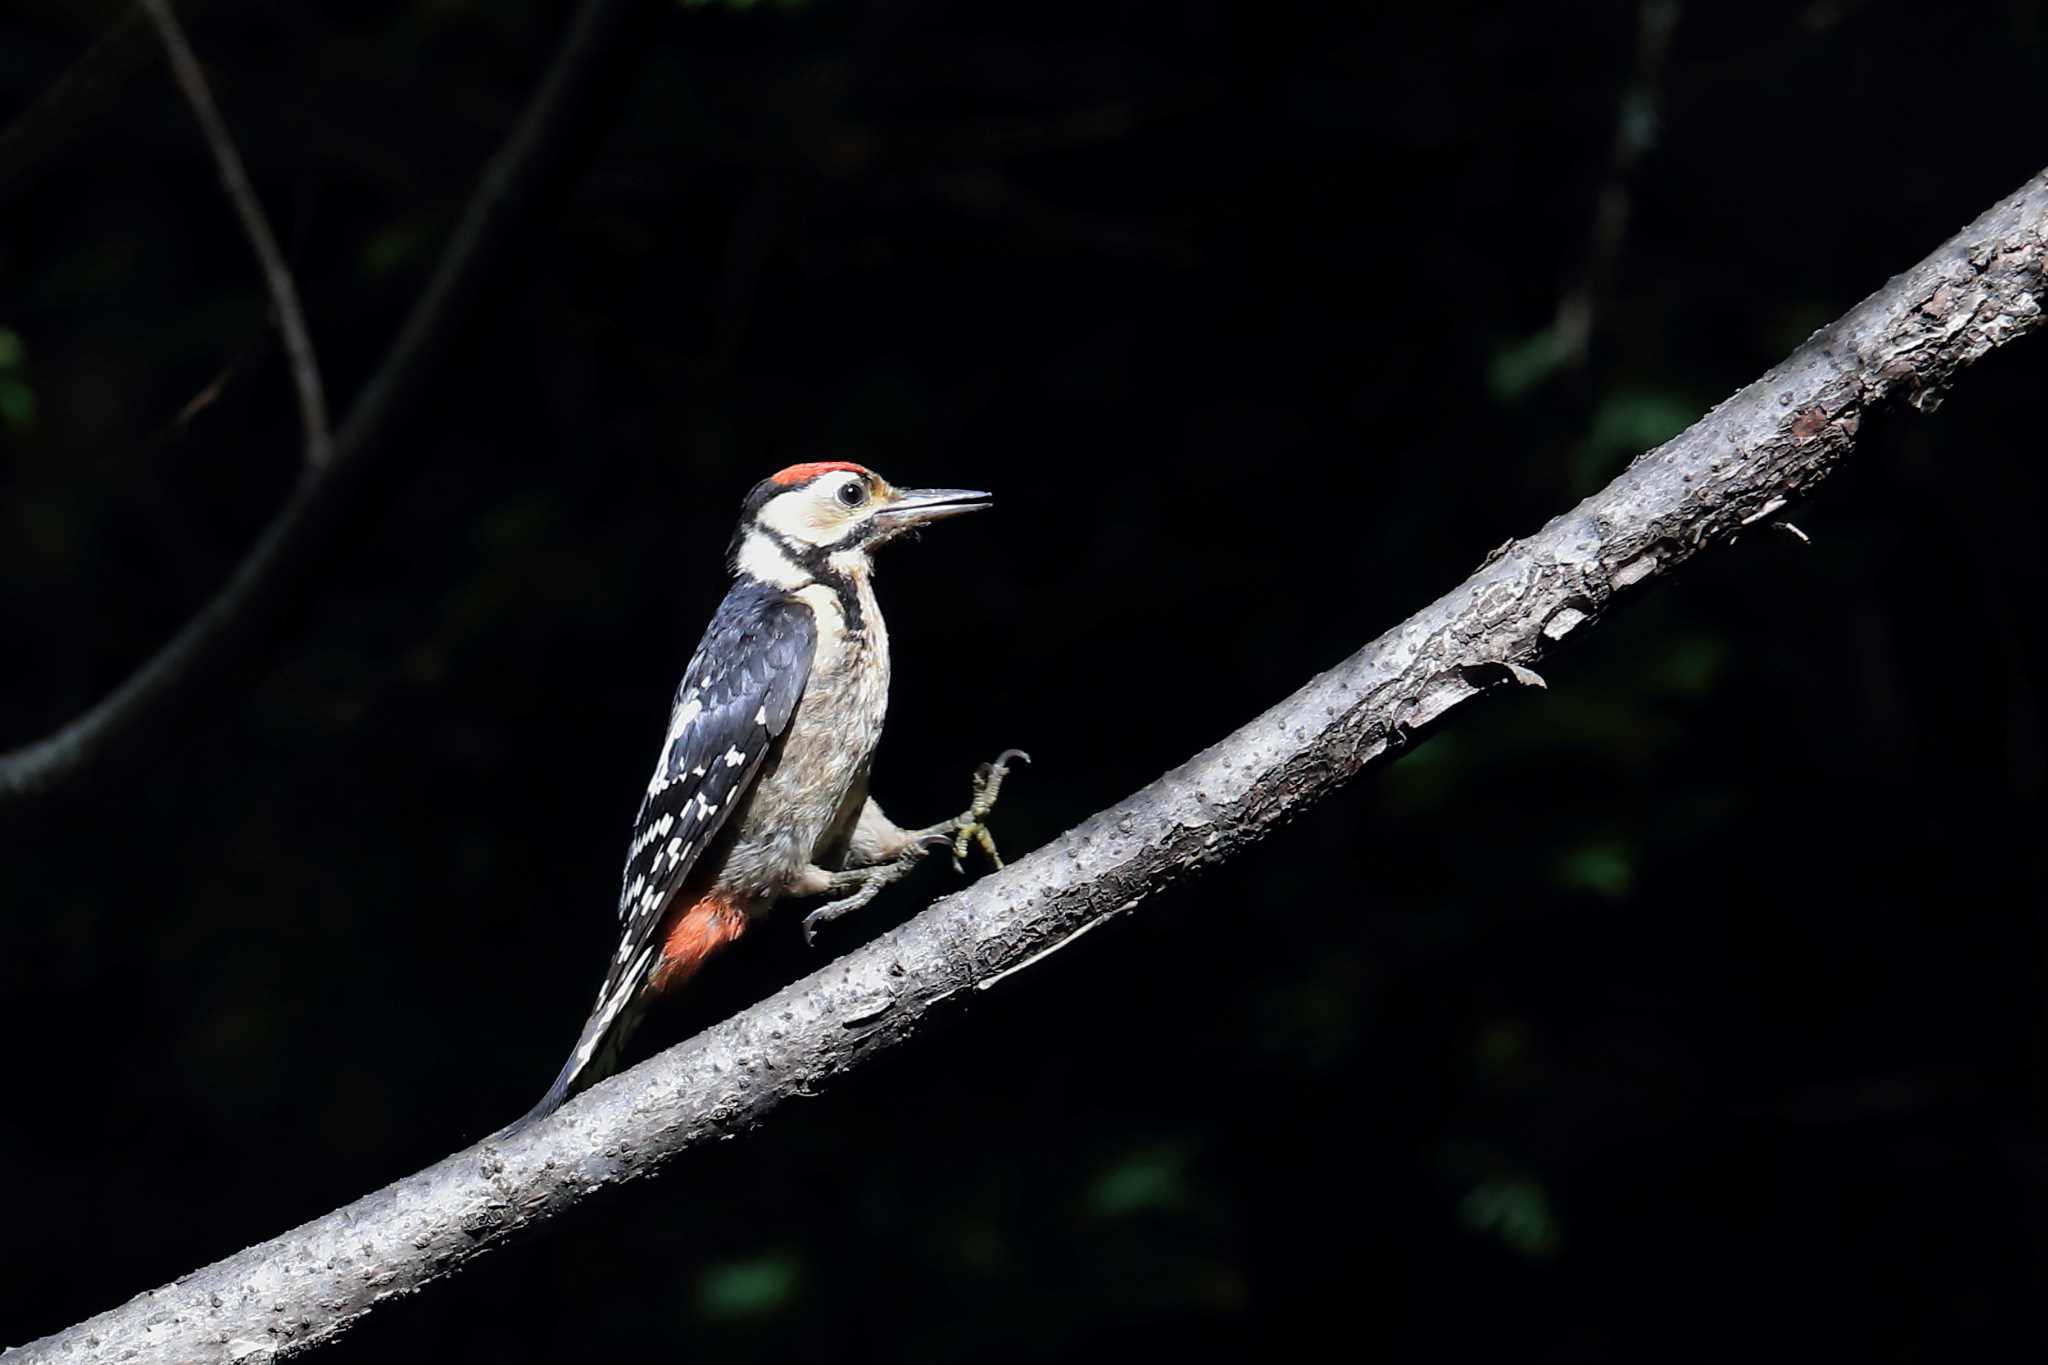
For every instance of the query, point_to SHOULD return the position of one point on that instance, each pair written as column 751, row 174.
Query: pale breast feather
column 734, row 702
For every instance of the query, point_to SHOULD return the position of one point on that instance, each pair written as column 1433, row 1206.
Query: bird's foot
column 970, row 828
column 964, row 831
column 867, row 883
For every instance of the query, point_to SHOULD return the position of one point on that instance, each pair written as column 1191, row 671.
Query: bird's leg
column 867, row 883
column 970, row 828
column 913, row 846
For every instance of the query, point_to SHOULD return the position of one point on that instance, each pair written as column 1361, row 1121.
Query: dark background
column 1692, row 1009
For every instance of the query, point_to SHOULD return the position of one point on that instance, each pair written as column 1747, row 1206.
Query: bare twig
column 1778, row 438
column 210, row 392
column 1635, row 131
column 153, row 701
column 277, row 276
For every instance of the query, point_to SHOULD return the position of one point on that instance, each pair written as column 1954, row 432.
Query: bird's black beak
column 913, row 507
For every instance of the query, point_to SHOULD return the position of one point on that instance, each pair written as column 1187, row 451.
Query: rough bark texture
column 1734, row 469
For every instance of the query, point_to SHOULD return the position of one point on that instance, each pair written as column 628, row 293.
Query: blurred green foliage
column 17, row 399
column 1144, row 1180
column 1625, row 423
column 1519, row 367
column 1517, row 1212
column 747, row 1289
column 1605, row 869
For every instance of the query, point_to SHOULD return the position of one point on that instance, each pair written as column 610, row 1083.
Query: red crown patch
column 804, row 473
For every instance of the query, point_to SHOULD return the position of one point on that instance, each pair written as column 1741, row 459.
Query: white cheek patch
column 810, row 515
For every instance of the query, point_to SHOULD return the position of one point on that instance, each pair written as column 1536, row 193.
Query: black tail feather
column 595, row 1056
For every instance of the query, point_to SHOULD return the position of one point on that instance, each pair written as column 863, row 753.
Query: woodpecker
column 760, row 790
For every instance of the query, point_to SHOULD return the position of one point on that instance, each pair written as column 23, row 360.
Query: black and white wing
column 734, row 702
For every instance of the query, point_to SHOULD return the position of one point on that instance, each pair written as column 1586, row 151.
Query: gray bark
column 1734, row 470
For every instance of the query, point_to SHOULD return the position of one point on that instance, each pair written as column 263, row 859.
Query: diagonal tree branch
column 277, row 276
column 34, row 137
column 157, row 698
column 1735, row 468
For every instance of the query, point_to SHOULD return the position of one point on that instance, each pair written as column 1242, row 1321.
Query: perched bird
column 761, row 787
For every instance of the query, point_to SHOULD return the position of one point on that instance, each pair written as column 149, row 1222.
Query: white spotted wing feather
column 733, row 704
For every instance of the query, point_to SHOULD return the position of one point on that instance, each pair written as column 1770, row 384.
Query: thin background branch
column 157, row 698
column 1635, row 132
column 277, row 276
column 1735, row 468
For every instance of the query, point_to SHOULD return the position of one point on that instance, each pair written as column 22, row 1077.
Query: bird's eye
column 853, row 494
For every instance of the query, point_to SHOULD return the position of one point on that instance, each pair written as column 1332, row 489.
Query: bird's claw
column 831, row 910
column 866, row 884
column 971, row 829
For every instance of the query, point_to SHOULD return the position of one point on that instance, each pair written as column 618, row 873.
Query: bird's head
column 826, row 518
